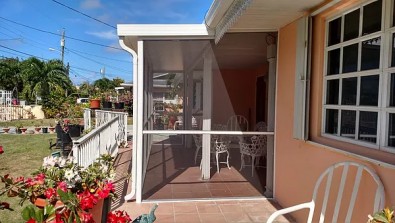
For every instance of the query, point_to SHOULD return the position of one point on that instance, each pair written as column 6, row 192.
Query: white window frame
column 383, row 110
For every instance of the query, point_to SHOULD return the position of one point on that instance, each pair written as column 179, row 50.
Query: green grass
column 23, row 154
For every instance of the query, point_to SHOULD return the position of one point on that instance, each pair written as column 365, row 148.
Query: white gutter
column 324, row 7
column 132, row 194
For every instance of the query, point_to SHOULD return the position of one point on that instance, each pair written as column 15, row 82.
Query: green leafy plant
column 384, row 216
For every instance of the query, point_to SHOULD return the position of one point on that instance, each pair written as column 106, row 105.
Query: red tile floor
column 187, row 184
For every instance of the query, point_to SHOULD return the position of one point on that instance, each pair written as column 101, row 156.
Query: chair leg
column 216, row 157
column 252, row 165
column 196, row 153
column 242, row 162
column 227, row 159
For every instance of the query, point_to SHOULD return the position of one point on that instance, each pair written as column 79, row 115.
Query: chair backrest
column 260, row 127
column 257, row 147
column 237, row 123
column 345, row 168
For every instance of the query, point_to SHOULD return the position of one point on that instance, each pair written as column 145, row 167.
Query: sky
column 86, row 60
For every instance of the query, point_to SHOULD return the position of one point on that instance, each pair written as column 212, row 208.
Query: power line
column 107, row 58
column 75, row 10
column 57, row 34
column 28, row 54
column 87, row 58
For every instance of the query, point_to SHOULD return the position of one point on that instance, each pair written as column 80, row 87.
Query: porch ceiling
column 270, row 15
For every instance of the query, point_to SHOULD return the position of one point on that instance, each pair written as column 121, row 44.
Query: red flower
column 1, row 150
column 63, row 186
column 19, row 179
column 50, row 193
column 87, row 200
column 118, row 217
column 31, row 220
column 87, row 217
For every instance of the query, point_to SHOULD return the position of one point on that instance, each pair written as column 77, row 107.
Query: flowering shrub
column 68, row 189
column 118, row 217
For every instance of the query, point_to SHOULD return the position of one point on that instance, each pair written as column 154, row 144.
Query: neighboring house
column 321, row 74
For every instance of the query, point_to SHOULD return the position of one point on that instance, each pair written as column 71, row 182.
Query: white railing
column 87, row 119
column 101, row 140
column 103, row 117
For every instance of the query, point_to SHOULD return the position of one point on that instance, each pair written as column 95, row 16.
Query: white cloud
column 91, row 4
column 104, row 34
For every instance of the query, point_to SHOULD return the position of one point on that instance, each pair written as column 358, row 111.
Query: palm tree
column 44, row 78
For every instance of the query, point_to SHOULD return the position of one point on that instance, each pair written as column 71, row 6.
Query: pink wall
column 234, row 94
column 298, row 164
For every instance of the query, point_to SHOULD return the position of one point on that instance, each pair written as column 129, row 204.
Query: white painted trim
column 163, row 30
column 140, row 114
column 353, row 155
column 134, row 145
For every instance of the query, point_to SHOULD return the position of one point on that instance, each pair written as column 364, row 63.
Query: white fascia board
column 164, row 30
column 217, row 10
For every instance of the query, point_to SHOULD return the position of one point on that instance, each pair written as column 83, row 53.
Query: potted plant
column 43, row 128
column 60, row 184
column 107, row 101
column 6, row 129
column 37, row 128
column 94, row 102
column 20, row 129
column 51, row 127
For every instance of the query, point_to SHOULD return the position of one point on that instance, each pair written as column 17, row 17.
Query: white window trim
column 384, row 73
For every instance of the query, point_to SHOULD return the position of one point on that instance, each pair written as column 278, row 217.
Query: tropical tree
column 104, row 84
column 10, row 74
column 44, row 78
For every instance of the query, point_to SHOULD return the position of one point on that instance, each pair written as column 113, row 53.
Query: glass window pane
column 369, row 90
column 332, row 92
column 351, row 25
column 333, row 62
column 391, row 130
column 368, row 126
column 348, row 124
column 331, row 121
column 350, row 58
column 392, row 90
column 349, row 91
column 371, row 18
column 334, row 31
column 371, row 54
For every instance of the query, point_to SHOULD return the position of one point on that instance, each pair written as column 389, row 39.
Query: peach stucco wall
column 297, row 163
column 234, row 93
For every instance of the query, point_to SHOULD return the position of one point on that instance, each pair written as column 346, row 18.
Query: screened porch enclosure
column 203, row 134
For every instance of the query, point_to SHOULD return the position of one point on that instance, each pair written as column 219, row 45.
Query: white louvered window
column 359, row 78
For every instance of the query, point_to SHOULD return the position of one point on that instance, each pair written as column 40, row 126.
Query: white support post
column 270, row 121
column 188, row 106
column 139, row 114
column 207, row 113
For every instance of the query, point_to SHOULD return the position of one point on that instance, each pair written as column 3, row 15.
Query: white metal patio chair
column 219, row 145
column 260, row 127
column 254, row 149
column 237, row 123
column 327, row 176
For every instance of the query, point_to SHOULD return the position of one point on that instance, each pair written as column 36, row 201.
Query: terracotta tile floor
column 207, row 211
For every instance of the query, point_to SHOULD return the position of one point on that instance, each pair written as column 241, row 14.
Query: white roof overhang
column 255, row 15
column 131, row 33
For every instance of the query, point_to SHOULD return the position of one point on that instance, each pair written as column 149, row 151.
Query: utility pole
column 62, row 41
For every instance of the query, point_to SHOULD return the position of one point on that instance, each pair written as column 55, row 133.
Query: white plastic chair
column 378, row 203
column 256, row 149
